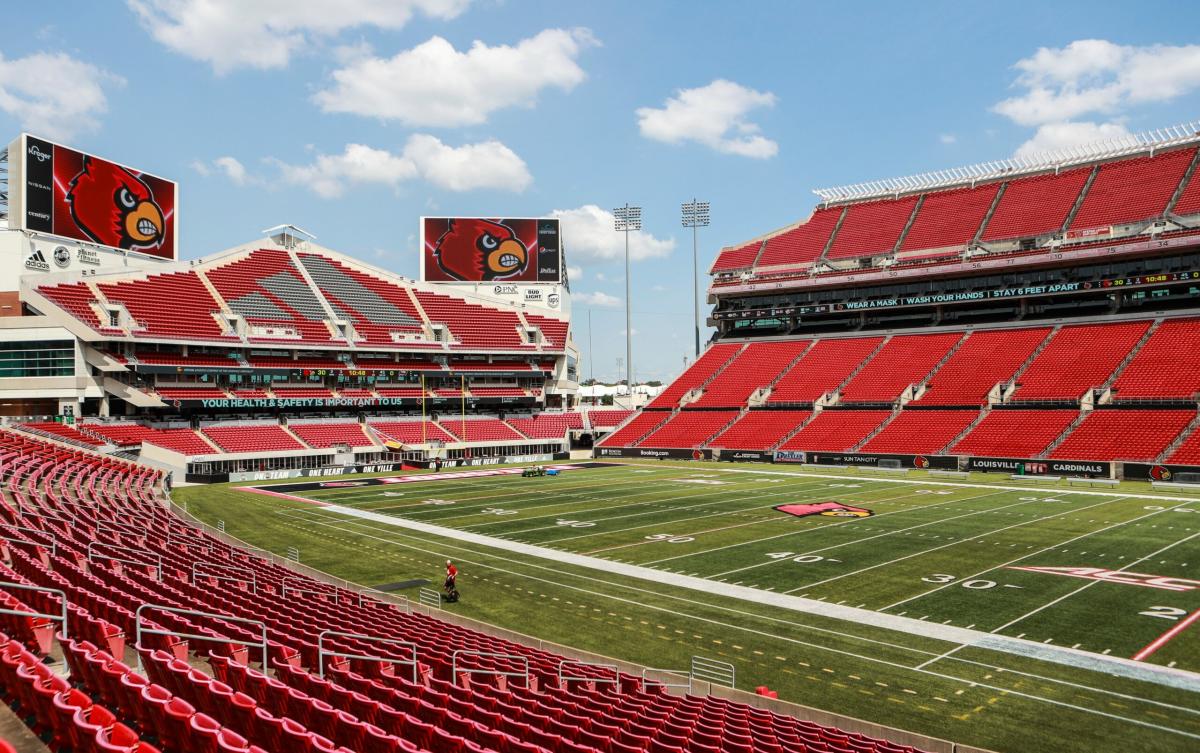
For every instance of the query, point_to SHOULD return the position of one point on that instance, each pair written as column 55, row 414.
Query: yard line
column 449, row 490
column 1088, row 585
column 705, row 493
column 817, row 646
column 885, row 533
column 953, row 543
column 348, row 527
column 822, row 528
column 582, row 496
column 1166, row 637
column 674, row 520
column 1034, row 554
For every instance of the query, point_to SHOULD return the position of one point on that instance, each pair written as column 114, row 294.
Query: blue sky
column 351, row 119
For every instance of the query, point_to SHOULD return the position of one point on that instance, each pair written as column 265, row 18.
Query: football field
column 1005, row 615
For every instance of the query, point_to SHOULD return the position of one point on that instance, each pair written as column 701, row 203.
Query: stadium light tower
column 628, row 219
column 695, row 215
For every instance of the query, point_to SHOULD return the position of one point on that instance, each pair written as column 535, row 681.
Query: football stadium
column 930, row 483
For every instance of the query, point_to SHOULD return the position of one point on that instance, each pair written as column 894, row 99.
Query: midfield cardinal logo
column 480, row 249
column 115, row 207
column 830, row 509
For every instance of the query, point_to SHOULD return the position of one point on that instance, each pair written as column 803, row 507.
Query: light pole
column 695, row 215
column 626, row 220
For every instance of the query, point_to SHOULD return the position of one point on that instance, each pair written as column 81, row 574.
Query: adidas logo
column 37, row 261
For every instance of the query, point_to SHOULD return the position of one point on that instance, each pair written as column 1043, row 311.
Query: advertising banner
column 993, row 294
column 1161, row 472
column 1077, row 468
column 747, row 456
column 74, row 195
column 478, row 249
column 940, row 462
column 657, row 453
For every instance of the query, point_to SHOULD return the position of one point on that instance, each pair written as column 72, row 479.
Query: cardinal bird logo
column 829, row 509
column 473, row 250
column 115, row 207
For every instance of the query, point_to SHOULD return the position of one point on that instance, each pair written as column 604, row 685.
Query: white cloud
column 233, row 170
column 1055, row 136
column 1098, row 76
column 947, row 138
column 53, row 94
column 575, row 274
column 598, row 298
column 588, row 236
column 713, row 115
column 231, row 34
column 1089, row 77
column 201, row 167
column 434, row 84
column 488, row 164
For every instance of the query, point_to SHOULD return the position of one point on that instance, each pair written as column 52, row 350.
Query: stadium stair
column 1080, row 199
column 1012, row 381
column 918, row 388
column 1106, row 387
column 969, row 428
column 1071, row 427
column 1184, row 436
column 1173, row 202
column 832, row 396
column 872, row 434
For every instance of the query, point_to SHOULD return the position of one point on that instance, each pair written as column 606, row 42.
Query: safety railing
column 664, row 681
column 140, row 630
column 217, row 576
column 60, row 618
column 713, row 670
column 563, row 677
column 430, row 598
column 455, row 669
column 323, row 652
column 177, row 539
column 15, row 540
column 93, row 555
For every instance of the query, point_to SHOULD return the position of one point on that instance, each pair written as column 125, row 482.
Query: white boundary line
column 1072, row 657
column 923, row 482
column 952, row 543
column 871, row 659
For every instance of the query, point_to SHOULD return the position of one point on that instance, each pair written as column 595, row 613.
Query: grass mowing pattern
column 929, row 551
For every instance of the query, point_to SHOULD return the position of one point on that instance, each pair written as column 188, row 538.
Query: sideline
column 928, row 482
column 1117, row 666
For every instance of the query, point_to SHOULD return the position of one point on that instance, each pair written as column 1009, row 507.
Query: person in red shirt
column 451, row 575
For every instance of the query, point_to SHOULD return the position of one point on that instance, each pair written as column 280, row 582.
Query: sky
column 351, row 119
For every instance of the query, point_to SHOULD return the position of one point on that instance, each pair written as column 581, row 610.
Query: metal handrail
column 253, row 581
column 567, row 678
column 664, row 683
column 714, row 670
column 463, row 652
column 91, row 553
column 38, row 531
column 308, row 590
column 430, row 598
column 188, row 540
column 322, row 652
column 140, row 631
column 41, row 589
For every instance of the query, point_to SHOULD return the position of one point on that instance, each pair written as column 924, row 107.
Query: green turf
column 935, row 551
